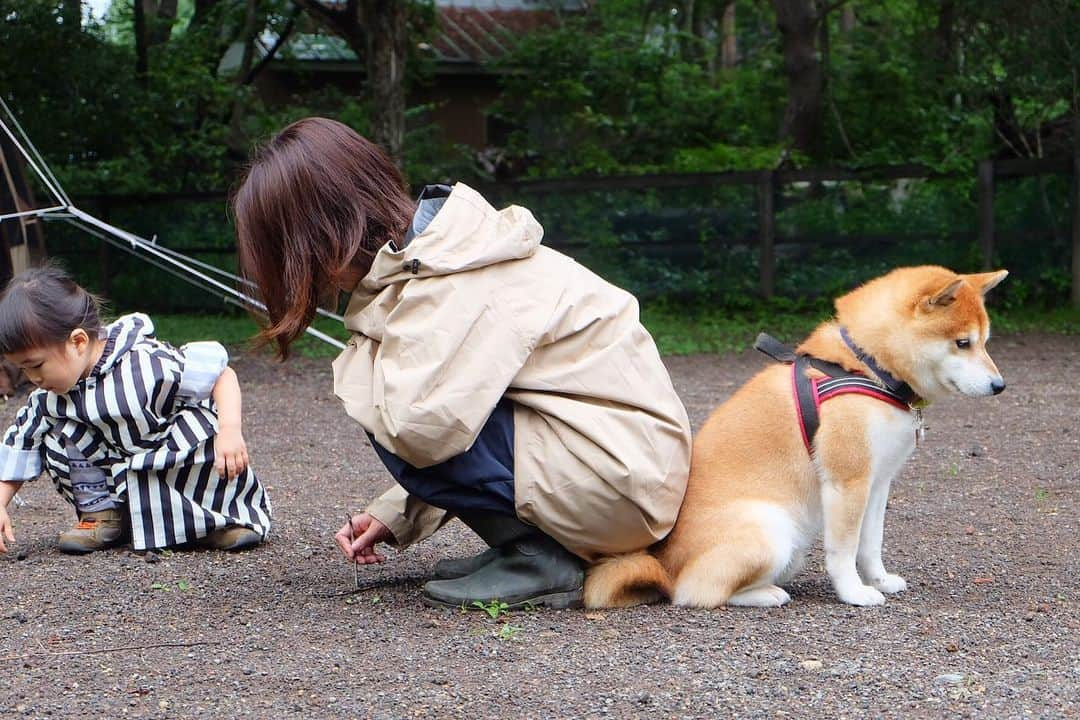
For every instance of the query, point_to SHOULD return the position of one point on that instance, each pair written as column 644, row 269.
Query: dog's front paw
column 889, row 583
column 861, row 595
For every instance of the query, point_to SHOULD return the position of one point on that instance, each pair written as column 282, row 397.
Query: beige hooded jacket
column 474, row 308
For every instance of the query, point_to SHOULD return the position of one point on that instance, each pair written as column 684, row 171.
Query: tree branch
column 282, row 38
column 824, row 12
column 323, row 14
column 106, row 650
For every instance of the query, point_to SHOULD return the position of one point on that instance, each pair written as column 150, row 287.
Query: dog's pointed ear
column 985, row 282
column 947, row 294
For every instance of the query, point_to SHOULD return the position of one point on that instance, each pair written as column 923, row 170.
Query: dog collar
column 891, row 382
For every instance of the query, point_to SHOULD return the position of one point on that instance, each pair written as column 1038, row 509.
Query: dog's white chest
column 893, row 438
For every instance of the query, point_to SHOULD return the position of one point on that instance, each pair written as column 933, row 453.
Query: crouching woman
column 498, row 380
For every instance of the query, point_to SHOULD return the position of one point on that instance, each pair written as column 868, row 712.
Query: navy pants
column 479, row 479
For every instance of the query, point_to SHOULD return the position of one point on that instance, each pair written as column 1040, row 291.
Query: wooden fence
column 767, row 184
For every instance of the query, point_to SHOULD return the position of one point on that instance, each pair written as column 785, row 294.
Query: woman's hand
column 230, row 452
column 358, row 538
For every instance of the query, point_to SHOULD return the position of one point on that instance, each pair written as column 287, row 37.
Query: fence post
column 766, row 205
column 1076, row 214
column 986, row 212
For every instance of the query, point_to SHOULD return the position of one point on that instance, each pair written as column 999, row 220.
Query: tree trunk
column 946, row 40
column 160, row 16
column 797, row 21
column 847, row 19
column 729, row 50
column 71, row 14
column 142, row 62
column 153, row 26
column 387, row 33
column 202, row 12
column 236, row 139
column 377, row 31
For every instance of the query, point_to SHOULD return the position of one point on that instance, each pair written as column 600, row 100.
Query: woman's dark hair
column 316, row 204
column 41, row 307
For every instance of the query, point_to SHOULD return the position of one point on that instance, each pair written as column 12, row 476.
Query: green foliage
column 624, row 88
column 615, row 98
column 494, row 609
column 685, row 331
column 677, row 329
column 508, row 632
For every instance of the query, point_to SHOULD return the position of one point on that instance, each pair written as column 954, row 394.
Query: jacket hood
column 465, row 233
column 120, row 337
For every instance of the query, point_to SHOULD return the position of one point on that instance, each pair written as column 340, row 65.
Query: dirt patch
column 982, row 523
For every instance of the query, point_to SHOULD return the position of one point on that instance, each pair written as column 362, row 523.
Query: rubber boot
column 529, row 569
column 460, row 567
column 94, row 531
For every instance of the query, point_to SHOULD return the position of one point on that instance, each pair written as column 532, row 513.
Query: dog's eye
column 963, row 343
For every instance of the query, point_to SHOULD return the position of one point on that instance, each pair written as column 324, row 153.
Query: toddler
column 142, row 438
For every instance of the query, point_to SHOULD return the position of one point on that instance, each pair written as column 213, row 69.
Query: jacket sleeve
column 20, row 452
column 441, row 368
column 409, row 518
column 203, row 364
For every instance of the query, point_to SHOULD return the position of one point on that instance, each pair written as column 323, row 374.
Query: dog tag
column 920, row 427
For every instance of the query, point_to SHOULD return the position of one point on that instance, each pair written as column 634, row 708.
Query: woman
column 499, row 381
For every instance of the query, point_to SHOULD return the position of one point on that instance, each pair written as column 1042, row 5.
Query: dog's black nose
column 997, row 386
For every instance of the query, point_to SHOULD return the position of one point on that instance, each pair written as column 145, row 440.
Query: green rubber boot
column 460, row 567
column 528, row 569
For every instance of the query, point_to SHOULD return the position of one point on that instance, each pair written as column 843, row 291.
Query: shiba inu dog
column 764, row 485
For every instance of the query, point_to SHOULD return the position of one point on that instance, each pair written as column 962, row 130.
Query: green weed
column 495, row 609
column 508, row 632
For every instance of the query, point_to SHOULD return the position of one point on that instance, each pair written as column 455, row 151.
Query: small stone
column 949, row 679
column 951, row 646
column 976, row 451
column 811, row 664
column 21, row 556
column 151, row 557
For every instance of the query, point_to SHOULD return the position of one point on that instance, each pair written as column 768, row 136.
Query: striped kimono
column 145, row 417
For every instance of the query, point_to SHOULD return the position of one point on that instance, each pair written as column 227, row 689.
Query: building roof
column 468, row 34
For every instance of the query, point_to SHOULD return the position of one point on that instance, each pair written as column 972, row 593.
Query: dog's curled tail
column 626, row 580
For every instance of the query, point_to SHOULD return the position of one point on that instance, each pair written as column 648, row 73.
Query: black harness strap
column 810, row 393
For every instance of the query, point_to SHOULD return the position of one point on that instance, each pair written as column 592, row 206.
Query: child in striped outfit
column 142, row 438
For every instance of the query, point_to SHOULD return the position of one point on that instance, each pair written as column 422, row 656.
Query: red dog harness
column 809, row 392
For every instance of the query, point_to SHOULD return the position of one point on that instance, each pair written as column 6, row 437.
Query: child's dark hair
column 43, row 306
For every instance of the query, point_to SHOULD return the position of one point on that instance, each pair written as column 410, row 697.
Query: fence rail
column 766, row 185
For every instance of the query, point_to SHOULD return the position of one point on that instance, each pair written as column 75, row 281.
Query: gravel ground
column 983, row 524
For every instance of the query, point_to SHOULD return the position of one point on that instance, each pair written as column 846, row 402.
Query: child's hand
column 5, row 529
column 358, row 539
column 230, row 452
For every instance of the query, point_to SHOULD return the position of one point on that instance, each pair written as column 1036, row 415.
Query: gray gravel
column 983, row 524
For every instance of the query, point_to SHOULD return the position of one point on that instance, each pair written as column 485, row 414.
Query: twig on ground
column 104, row 650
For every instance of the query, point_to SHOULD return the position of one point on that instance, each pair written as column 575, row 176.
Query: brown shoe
column 234, row 537
column 94, row 531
